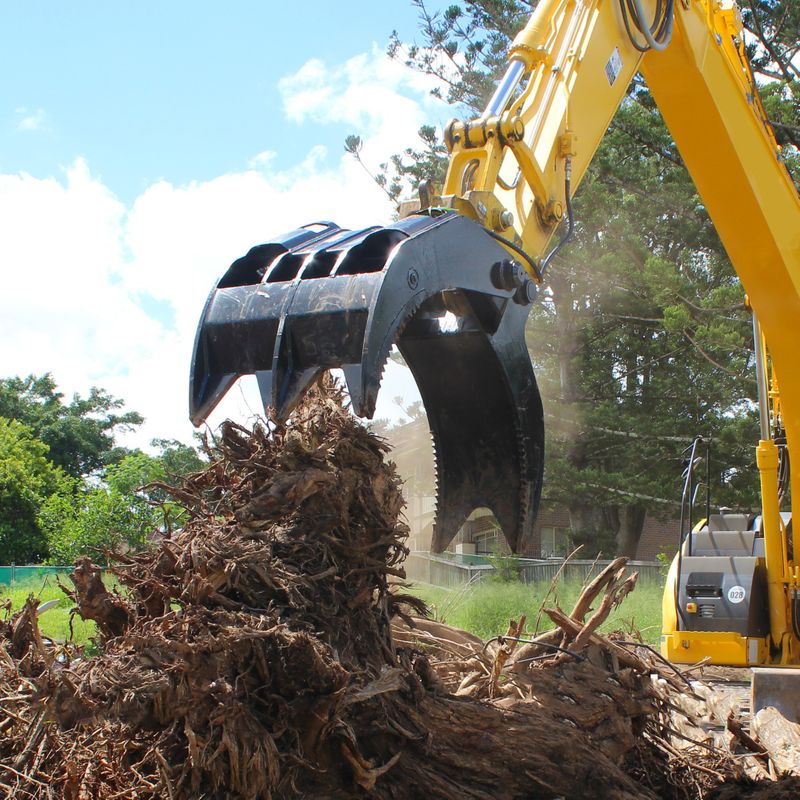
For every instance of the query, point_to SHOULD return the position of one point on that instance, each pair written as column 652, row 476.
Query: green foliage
column 177, row 459
column 665, row 559
column 66, row 488
column 773, row 49
column 405, row 171
column 646, row 349
column 80, row 434
column 27, row 478
column 426, row 162
column 594, row 527
column 122, row 514
column 506, row 566
column 465, row 46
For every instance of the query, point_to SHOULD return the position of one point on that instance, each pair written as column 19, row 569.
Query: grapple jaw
column 446, row 294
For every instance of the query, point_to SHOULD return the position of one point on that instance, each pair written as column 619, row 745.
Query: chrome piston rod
column 505, row 89
column 761, row 381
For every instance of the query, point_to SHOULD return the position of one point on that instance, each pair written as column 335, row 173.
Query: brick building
column 413, row 454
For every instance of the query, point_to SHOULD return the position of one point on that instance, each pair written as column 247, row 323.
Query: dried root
column 262, row 652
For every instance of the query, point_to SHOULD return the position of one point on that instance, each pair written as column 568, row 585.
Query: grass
column 54, row 622
column 484, row 608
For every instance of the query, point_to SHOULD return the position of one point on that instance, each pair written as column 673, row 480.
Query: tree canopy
column 121, row 514
column 66, row 486
column 27, row 479
column 80, row 434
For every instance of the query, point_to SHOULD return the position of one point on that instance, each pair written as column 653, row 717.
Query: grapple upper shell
column 441, row 289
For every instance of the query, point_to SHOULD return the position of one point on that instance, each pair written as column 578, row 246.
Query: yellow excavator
column 451, row 286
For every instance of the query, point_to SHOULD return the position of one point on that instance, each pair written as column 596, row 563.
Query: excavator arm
column 452, row 285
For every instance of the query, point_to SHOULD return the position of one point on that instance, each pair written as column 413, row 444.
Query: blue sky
column 145, row 146
column 180, row 90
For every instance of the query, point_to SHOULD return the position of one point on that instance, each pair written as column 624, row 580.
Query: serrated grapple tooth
column 354, row 379
column 327, row 298
column 485, row 415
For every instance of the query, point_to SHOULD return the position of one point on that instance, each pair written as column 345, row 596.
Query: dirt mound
column 262, row 652
column 786, row 789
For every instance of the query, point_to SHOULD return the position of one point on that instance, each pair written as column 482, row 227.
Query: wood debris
column 266, row 650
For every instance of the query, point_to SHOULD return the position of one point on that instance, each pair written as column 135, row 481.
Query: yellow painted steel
column 578, row 63
column 688, row 647
column 774, row 536
column 720, row 647
column 729, row 649
column 712, row 111
column 705, row 93
column 669, row 611
column 565, row 109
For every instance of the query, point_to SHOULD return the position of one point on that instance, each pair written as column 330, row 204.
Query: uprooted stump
column 262, row 652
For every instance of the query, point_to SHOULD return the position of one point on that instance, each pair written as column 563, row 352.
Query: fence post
column 13, row 571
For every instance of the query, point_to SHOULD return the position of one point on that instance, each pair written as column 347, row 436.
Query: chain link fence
column 455, row 571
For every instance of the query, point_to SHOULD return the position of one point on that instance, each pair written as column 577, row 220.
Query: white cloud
column 262, row 159
column 31, row 120
column 75, row 262
column 380, row 98
column 64, row 308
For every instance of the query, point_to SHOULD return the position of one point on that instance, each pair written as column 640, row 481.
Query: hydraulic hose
column 658, row 35
column 686, row 496
column 506, row 243
column 784, row 465
column 570, row 217
column 795, row 614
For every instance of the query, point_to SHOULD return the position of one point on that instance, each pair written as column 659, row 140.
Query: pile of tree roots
column 267, row 650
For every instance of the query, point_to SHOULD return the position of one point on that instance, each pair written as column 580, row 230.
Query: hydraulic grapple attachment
column 446, row 294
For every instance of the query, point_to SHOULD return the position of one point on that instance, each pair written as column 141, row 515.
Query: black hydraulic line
column 784, row 464
column 657, row 655
column 506, row 243
column 663, row 31
column 570, row 217
column 539, row 269
column 623, row 8
column 795, row 614
column 656, row 28
column 686, row 487
column 546, row 645
column 659, row 34
column 708, row 482
column 687, row 491
column 676, row 588
column 669, row 21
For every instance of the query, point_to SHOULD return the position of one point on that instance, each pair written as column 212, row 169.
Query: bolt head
column 526, row 293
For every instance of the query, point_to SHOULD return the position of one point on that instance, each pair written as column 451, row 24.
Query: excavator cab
column 437, row 286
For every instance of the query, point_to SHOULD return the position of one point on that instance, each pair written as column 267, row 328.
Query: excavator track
column 451, row 299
